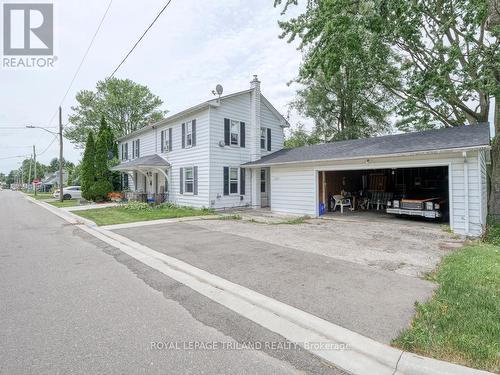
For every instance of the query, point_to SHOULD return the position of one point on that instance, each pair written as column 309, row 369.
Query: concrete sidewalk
column 375, row 303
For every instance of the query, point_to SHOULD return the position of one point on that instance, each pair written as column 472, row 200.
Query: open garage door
column 405, row 192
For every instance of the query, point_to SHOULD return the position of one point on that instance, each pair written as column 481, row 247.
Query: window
column 165, row 140
column 263, row 138
column 188, row 180
column 233, row 180
column 135, row 149
column 235, row 133
column 189, row 134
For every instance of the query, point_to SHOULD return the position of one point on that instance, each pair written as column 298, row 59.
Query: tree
column 341, row 69
column 87, row 175
column 126, row 105
column 103, row 153
column 442, row 65
column 54, row 165
column 341, row 108
column 300, row 137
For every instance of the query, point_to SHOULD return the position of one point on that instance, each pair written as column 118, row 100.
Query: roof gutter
column 427, row 152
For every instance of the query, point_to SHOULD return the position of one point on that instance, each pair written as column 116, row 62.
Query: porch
column 146, row 179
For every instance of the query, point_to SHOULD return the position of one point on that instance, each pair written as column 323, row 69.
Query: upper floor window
column 234, row 133
column 263, row 138
column 166, row 140
column 135, row 148
column 124, row 150
column 189, row 134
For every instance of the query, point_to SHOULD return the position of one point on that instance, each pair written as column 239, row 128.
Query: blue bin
column 321, row 209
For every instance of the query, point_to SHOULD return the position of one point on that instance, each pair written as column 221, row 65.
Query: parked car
column 70, row 192
column 432, row 208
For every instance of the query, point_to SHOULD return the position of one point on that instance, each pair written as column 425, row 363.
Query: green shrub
column 137, row 206
column 493, row 232
column 100, row 190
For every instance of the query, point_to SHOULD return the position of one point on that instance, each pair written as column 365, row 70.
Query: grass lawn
column 40, row 196
column 461, row 322
column 65, row 203
column 120, row 214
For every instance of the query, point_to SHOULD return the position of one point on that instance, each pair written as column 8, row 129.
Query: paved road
column 375, row 303
column 69, row 304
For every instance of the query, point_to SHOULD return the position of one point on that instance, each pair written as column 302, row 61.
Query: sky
column 195, row 45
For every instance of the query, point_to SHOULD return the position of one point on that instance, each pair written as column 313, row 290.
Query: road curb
column 364, row 357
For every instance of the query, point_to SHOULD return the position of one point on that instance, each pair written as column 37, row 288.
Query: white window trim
column 237, row 181
column 265, row 138
column 166, row 140
column 185, row 180
column 238, row 130
column 189, row 130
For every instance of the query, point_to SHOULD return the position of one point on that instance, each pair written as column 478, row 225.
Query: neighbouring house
column 228, row 152
column 51, row 180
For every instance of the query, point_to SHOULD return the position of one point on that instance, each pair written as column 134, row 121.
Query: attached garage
column 445, row 166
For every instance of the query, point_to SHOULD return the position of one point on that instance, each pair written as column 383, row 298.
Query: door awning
column 144, row 162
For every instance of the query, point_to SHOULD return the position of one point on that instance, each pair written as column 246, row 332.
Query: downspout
column 466, row 192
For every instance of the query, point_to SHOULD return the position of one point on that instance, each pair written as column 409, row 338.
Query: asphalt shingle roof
column 431, row 140
column 144, row 162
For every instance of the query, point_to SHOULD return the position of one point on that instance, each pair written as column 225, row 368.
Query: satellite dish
column 219, row 89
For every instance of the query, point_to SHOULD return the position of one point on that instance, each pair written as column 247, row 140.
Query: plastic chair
column 341, row 202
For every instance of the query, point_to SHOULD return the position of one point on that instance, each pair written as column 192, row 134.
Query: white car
column 70, row 192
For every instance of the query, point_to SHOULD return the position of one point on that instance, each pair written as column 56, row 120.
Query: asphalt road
column 70, row 304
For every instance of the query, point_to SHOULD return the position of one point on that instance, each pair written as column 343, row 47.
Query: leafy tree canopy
column 435, row 58
column 126, row 105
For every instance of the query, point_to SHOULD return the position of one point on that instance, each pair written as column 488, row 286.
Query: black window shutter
column 242, row 134
column 226, row 180
column 181, row 180
column 242, row 181
column 268, row 139
column 227, row 131
column 126, row 151
column 193, row 127
column 183, row 135
column 162, row 140
column 195, row 180
column 138, row 149
column 169, row 139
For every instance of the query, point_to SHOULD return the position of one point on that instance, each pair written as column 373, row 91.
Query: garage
column 406, row 192
column 441, row 170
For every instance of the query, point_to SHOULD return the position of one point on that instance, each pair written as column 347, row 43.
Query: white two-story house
column 195, row 157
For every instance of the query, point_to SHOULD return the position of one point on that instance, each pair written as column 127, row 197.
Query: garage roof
column 462, row 137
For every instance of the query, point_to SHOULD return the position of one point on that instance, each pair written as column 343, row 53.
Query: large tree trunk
column 494, row 202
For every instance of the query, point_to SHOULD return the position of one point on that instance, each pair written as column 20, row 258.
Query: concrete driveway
column 302, row 266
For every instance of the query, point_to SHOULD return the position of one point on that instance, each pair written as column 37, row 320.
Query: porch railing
column 147, row 197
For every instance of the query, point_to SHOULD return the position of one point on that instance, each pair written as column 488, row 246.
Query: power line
column 142, row 36
column 83, row 60
column 46, row 148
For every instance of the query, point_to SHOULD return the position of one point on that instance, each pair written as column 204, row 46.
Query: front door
column 264, row 187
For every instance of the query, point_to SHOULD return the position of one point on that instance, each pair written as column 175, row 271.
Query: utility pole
column 61, row 198
column 34, row 158
column 29, row 174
